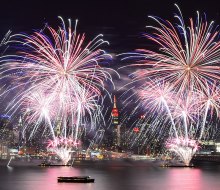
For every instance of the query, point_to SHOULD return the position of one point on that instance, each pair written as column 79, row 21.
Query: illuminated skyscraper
column 116, row 127
column 115, row 113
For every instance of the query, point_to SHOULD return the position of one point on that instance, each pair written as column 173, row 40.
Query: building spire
column 114, row 102
column 115, row 112
column 20, row 122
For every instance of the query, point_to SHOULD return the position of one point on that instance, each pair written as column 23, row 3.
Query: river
column 111, row 178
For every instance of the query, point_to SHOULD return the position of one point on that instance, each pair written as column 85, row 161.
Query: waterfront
column 112, row 177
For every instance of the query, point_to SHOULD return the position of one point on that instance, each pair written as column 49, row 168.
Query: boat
column 174, row 163
column 49, row 164
column 76, row 179
column 177, row 166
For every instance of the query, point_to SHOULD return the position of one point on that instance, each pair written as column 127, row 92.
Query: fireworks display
column 58, row 80
column 180, row 92
column 63, row 148
column 188, row 57
column 185, row 149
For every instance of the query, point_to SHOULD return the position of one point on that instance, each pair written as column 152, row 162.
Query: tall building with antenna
column 115, row 113
column 116, row 127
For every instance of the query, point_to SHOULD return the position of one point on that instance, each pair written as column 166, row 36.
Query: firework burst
column 63, row 147
column 59, row 78
column 188, row 57
column 185, row 149
column 181, row 80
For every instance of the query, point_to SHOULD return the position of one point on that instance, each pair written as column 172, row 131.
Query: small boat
column 76, row 179
column 176, row 166
column 49, row 164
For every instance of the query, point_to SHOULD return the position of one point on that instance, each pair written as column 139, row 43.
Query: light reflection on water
column 111, row 178
column 187, row 177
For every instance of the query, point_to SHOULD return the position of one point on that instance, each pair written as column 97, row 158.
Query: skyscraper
column 115, row 113
column 116, row 127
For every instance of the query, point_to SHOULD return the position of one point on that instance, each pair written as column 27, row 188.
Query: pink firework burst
column 186, row 57
column 182, row 75
column 63, row 147
column 156, row 96
column 184, row 148
column 65, row 68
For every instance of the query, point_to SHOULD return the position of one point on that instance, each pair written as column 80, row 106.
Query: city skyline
column 127, row 92
column 115, row 31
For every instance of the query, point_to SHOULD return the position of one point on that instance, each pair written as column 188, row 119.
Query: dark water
column 112, row 178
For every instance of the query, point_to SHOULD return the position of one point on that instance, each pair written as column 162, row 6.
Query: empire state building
column 116, row 127
column 115, row 113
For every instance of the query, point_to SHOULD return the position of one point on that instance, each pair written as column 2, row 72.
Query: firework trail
column 62, row 147
column 38, row 107
column 186, row 116
column 185, row 149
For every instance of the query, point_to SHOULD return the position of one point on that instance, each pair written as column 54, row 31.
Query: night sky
column 122, row 22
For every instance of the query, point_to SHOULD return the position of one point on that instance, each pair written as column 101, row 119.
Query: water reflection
column 111, row 178
column 185, row 178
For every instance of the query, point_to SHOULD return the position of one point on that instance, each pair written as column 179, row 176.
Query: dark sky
column 121, row 21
